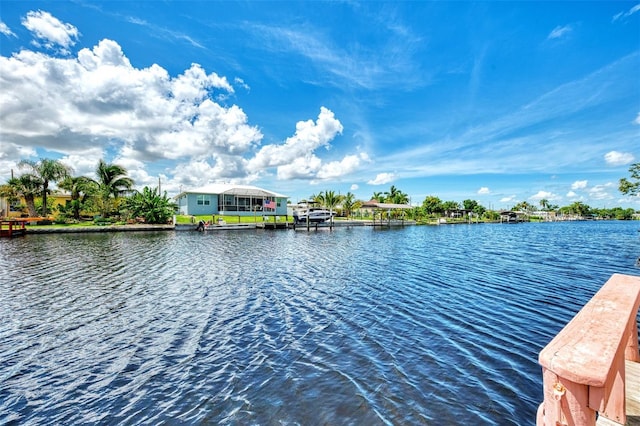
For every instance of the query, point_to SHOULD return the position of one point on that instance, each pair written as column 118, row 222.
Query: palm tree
column 80, row 187
column 378, row 196
column 331, row 200
column 26, row 186
column 317, row 198
column 112, row 182
column 47, row 171
column 349, row 204
column 544, row 203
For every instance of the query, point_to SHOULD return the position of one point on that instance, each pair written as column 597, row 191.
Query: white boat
column 315, row 215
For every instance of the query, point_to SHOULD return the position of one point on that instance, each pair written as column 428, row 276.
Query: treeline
column 433, row 207
column 111, row 194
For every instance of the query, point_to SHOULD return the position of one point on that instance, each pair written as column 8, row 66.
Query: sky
column 498, row 102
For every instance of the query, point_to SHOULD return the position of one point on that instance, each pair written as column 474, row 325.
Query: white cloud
column 300, row 168
column 308, row 137
column 98, row 98
column 602, row 192
column 508, row 199
column 240, row 82
column 142, row 115
column 382, row 178
column 559, row 32
column 336, row 169
column 484, row 190
column 571, row 194
column 631, row 11
column 579, row 184
column 354, row 187
column 542, row 195
column 615, row 158
column 4, row 29
column 50, row 30
column 296, row 157
column 637, row 120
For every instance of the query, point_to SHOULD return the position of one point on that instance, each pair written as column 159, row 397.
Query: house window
column 203, row 200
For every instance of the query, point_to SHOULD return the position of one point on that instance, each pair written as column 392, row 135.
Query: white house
column 234, row 200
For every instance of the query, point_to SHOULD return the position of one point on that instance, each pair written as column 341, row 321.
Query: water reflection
column 418, row 325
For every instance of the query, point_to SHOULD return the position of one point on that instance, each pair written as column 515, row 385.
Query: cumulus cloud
column 73, row 104
column 354, row 187
column 484, row 190
column 5, row 30
column 97, row 104
column 308, row 137
column 615, row 158
column 637, row 120
column 544, row 195
column 571, row 194
column 300, row 168
column 559, row 32
column 579, row 184
column 50, row 30
column 296, row 158
column 382, row 179
column 508, row 199
column 336, row 169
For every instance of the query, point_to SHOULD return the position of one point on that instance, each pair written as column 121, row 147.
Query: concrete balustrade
column 583, row 367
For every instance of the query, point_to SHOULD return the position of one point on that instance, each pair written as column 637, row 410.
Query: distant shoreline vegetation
column 111, row 199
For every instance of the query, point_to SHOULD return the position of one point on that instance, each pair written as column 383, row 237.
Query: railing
column 583, row 367
column 11, row 228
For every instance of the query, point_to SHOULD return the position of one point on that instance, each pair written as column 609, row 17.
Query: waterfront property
column 228, row 199
column 408, row 325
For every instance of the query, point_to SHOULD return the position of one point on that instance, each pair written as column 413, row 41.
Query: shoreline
column 105, row 228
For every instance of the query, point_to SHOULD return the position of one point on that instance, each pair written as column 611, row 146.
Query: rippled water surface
column 417, row 325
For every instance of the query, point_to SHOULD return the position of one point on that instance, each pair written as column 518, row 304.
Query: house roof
column 232, row 189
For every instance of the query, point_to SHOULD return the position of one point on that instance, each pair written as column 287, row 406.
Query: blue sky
column 499, row 102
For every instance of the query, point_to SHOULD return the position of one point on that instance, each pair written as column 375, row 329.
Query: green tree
column 393, row 196
column 579, row 208
column 349, row 204
column 378, row 196
column 25, row 186
column 112, row 183
column 523, row 206
column 479, row 210
column 632, row 187
column 331, row 200
column 469, row 204
column 80, row 188
column 150, row 205
column 448, row 206
column 432, row 205
column 47, row 171
column 544, row 204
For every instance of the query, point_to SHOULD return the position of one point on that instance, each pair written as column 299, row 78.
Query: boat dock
column 591, row 368
column 12, row 228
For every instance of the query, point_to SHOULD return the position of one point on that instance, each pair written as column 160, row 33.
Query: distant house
column 233, row 200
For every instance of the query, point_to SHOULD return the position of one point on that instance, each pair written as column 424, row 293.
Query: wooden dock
column 632, row 385
column 12, row 228
column 591, row 368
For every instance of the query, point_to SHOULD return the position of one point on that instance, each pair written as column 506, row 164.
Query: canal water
column 358, row 326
